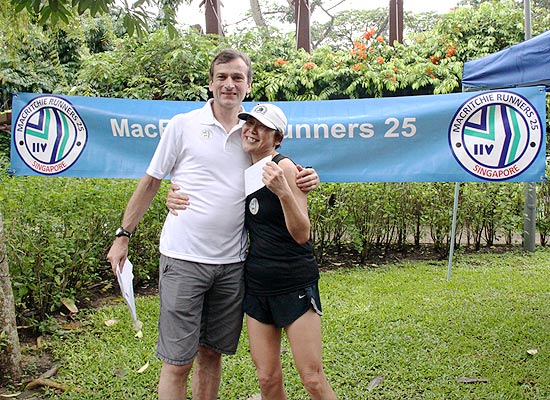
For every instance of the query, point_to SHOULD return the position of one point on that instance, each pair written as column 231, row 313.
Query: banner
column 486, row 136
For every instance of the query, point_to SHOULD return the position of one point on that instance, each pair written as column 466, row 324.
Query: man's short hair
column 227, row 55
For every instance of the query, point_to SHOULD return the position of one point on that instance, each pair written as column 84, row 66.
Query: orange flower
column 369, row 33
column 380, row 39
column 362, row 55
column 434, row 59
column 428, row 70
column 394, row 69
column 451, row 50
column 359, row 46
column 309, row 65
column 357, row 67
column 280, row 61
column 380, row 60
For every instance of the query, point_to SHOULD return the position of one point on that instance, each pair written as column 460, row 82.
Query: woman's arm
column 281, row 180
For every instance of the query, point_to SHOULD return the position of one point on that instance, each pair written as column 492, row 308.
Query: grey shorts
column 282, row 310
column 200, row 304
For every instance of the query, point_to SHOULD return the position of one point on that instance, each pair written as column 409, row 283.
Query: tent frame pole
column 453, row 231
column 530, row 202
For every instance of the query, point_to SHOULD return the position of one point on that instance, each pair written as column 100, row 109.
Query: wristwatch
column 123, row 232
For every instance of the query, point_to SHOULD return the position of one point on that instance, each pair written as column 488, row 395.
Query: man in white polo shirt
column 203, row 248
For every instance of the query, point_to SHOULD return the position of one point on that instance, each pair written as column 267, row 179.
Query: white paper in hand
column 253, row 176
column 125, row 281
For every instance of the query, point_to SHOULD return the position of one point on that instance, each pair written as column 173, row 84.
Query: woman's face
column 258, row 140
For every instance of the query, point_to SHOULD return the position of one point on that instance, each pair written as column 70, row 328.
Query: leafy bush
column 375, row 217
column 330, row 218
column 4, row 144
column 58, row 232
column 154, row 67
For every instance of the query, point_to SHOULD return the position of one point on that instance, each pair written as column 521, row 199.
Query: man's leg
column 221, row 325
column 207, row 374
column 173, row 381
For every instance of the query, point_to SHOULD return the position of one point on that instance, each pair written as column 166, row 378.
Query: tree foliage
column 482, row 30
column 96, row 56
column 136, row 17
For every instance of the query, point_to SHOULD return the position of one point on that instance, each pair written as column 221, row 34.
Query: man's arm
column 306, row 180
column 145, row 191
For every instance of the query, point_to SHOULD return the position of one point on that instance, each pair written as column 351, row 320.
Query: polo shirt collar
column 208, row 118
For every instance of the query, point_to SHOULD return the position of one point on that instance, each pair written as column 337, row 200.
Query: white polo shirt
column 208, row 164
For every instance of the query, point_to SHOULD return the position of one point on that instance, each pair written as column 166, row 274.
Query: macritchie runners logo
column 49, row 134
column 496, row 135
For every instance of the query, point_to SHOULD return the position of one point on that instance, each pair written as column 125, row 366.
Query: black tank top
column 275, row 263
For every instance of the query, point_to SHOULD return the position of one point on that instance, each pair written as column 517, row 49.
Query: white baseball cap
column 268, row 114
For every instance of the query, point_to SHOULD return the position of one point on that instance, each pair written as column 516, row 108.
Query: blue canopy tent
column 524, row 64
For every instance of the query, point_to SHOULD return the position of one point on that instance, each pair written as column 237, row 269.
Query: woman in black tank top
column 281, row 273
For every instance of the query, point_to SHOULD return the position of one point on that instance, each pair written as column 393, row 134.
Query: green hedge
column 57, row 231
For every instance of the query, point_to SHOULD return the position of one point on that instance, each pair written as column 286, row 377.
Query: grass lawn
column 405, row 326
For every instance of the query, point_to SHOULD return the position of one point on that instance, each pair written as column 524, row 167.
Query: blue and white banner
column 486, row 136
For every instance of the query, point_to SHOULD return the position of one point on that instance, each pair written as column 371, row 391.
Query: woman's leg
column 265, row 349
column 304, row 336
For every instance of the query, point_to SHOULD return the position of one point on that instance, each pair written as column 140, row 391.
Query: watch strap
column 123, row 232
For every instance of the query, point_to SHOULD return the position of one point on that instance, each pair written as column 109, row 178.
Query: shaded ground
column 37, row 363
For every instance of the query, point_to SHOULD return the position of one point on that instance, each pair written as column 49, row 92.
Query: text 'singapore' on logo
column 496, row 135
column 49, row 134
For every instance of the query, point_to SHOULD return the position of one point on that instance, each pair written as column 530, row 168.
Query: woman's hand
column 175, row 200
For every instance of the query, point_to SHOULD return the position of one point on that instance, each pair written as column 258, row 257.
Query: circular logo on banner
column 49, row 135
column 496, row 135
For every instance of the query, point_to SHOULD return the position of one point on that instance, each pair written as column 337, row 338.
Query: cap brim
column 259, row 117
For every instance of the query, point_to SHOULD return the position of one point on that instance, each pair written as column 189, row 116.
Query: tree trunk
column 213, row 17
column 303, row 36
column 10, row 352
column 257, row 13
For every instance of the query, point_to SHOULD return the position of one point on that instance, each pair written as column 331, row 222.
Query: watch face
column 122, row 232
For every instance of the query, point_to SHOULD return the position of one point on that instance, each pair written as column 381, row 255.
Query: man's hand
column 118, row 253
column 176, row 201
column 307, row 179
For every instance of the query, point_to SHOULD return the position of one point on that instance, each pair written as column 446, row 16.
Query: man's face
column 229, row 83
